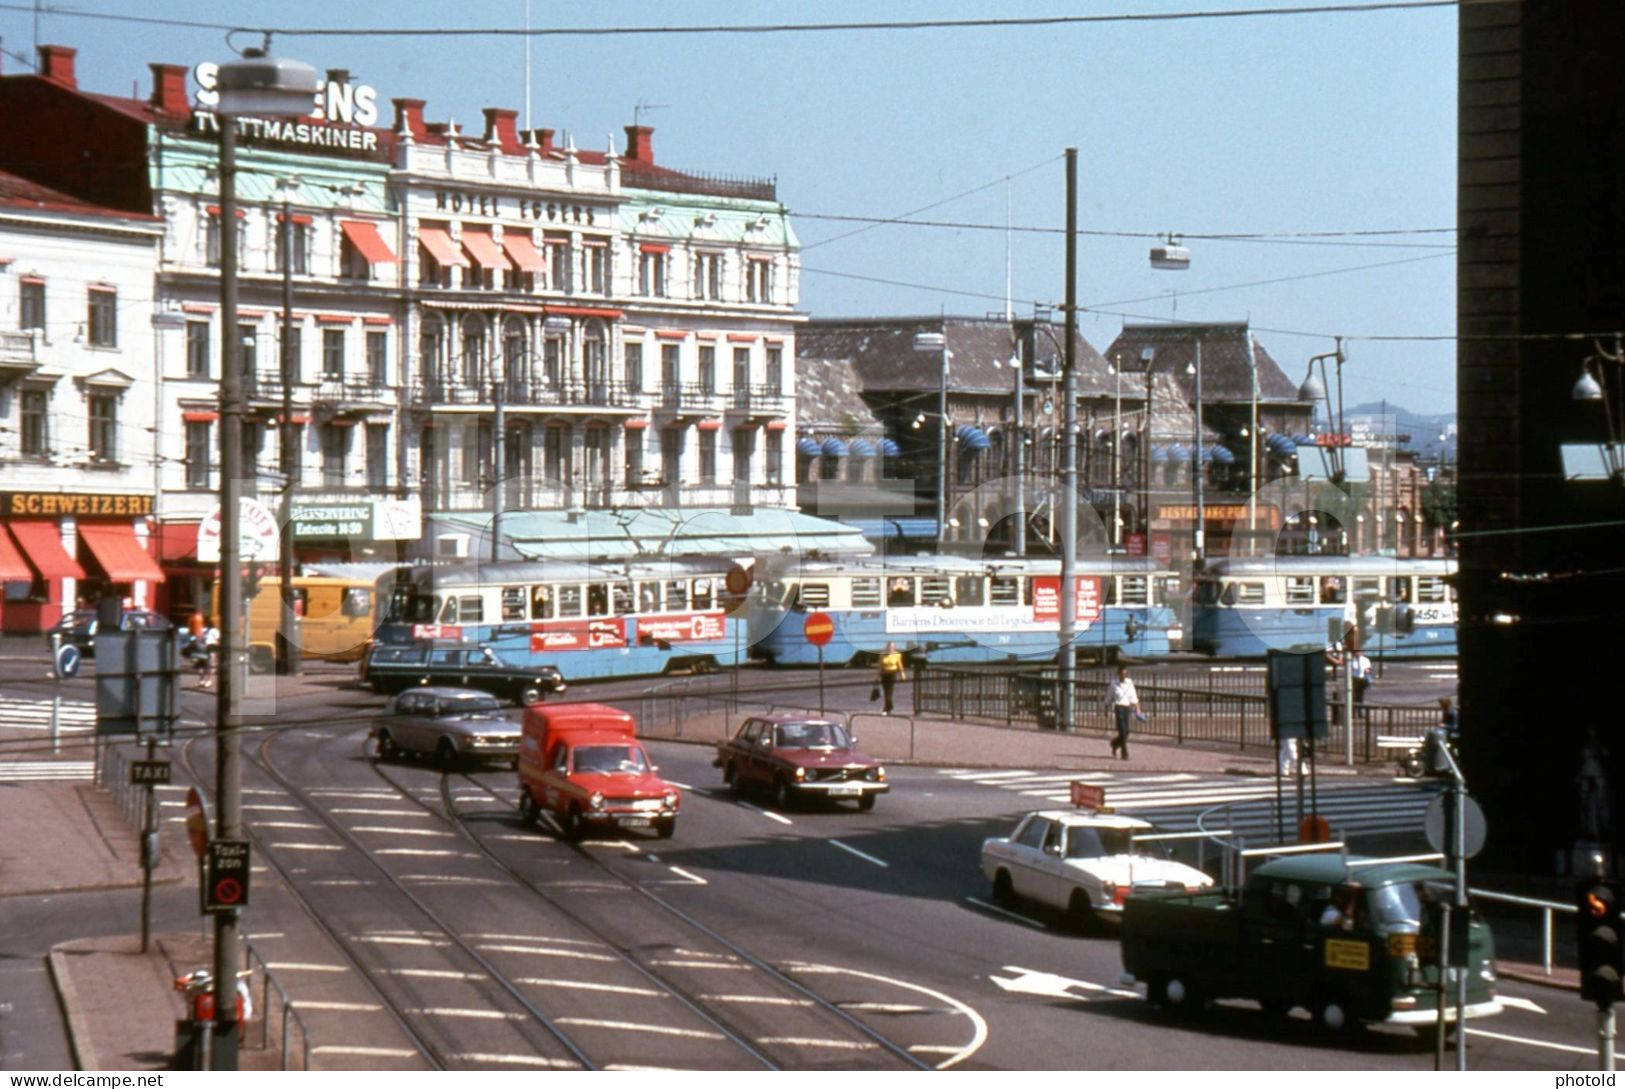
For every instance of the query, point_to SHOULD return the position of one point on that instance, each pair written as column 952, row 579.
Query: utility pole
column 287, row 638
column 499, row 454
column 1200, row 556
column 1117, row 454
column 1066, row 665
column 1018, row 535
column 942, row 442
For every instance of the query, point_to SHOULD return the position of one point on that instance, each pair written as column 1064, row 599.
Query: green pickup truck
column 1339, row 936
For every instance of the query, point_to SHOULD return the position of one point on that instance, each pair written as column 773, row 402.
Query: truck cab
column 583, row 763
column 1349, row 939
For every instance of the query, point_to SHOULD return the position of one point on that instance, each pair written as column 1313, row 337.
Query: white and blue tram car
column 955, row 609
column 596, row 619
column 1245, row 606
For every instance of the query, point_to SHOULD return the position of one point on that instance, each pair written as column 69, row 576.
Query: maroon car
column 795, row 757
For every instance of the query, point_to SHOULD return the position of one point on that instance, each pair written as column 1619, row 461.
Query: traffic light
column 1602, row 957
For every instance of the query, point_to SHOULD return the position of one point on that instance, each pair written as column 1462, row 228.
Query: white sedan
column 1082, row 863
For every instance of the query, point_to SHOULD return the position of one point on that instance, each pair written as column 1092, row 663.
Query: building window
column 758, row 280
column 333, row 353
column 31, row 304
column 556, row 455
column 671, row 455
column 708, row 276
column 634, row 368
column 199, row 446
column 212, row 240
column 290, row 350
column 742, row 371
column 744, row 447
column 596, row 471
column 253, row 442
column 103, row 427
column 671, row 369
column 652, row 273
column 476, row 451
column 775, row 459
column 36, row 428
column 553, row 362
column 474, row 359
column 595, row 259
column 775, row 371
column 378, row 455
column 378, row 358
column 298, row 239
column 197, row 349
column 430, row 272
column 558, row 262
column 104, row 317
column 708, row 457
column 248, row 337
column 335, row 453
column 634, row 459
column 708, row 369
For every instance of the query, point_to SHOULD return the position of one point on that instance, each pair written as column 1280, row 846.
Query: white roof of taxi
column 1077, row 818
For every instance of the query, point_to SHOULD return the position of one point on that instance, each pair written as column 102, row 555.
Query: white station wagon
column 1083, row 863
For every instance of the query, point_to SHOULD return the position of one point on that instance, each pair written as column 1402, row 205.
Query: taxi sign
column 1088, row 795
column 149, row 772
column 225, row 876
column 818, row 628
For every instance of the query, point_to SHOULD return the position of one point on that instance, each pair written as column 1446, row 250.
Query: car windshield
column 1098, row 842
column 468, row 705
column 813, row 735
column 1398, row 907
column 611, row 759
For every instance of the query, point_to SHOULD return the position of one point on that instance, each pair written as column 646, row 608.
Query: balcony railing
column 687, row 395
column 524, row 393
column 757, row 400
column 263, row 385
column 601, row 495
column 350, row 391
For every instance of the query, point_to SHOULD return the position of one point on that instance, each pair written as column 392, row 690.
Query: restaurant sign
column 78, row 504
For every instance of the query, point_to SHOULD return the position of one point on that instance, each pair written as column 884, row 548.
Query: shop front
column 62, row 550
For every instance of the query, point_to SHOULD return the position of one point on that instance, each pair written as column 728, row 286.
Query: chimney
column 501, row 128
column 639, row 146
column 56, row 64
column 169, row 89
column 341, row 76
column 409, row 117
column 544, row 140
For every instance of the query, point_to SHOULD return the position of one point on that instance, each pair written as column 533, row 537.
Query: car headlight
column 670, row 799
column 596, row 801
column 875, row 775
column 801, row 773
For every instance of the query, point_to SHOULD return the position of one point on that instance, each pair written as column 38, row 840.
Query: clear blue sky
column 1275, row 125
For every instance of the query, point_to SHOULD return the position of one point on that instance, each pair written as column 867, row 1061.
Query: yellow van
column 337, row 617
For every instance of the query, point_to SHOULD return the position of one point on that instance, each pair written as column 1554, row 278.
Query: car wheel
column 866, row 802
column 528, row 811
column 665, row 828
column 446, row 752
column 573, row 824
column 731, row 780
column 783, row 796
column 532, row 695
column 387, row 749
column 1332, row 1014
column 1079, row 911
column 1004, row 892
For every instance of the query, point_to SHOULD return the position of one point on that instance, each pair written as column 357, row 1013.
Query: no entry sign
column 818, row 629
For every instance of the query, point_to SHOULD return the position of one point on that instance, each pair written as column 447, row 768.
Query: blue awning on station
column 834, row 448
column 808, row 447
column 863, row 448
column 889, row 448
column 973, row 437
column 895, row 529
column 1281, row 444
column 1220, row 454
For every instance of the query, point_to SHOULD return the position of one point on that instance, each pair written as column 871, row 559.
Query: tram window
column 899, row 591
column 513, row 603
column 702, row 593
column 1108, row 590
column 1367, row 587
column 1252, row 593
column 1004, row 590
column 1164, row 590
column 814, row 595
column 866, row 593
column 570, row 600
column 1399, row 589
column 597, row 599
column 1133, row 589
column 448, row 611
column 677, row 595
column 1300, row 590
column 934, row 591
column 541, row 602
column 968, row 590
column 1206, row 592
column 621, row 598
column 357, row 602
column 1430, row 590
column 470, row 608
column 1331, row 591
column 648, row 597
column 1229, row 595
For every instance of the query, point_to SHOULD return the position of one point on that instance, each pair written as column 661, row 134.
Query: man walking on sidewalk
column 1124, row 703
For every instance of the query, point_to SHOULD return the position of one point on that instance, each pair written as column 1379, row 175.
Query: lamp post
column 1066, row 665
column 1148, row 356
column 261, row 85
column 1316, row 389
column 938, row 342
column 1592, row 385
column 1018, row 537
column 1199, row 551
column 1117, row 458
column 287, row 641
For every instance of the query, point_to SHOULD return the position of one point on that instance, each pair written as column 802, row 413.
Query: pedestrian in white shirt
column 1124, row 703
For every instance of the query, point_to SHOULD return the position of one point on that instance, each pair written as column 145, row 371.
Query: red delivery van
column 583, row 763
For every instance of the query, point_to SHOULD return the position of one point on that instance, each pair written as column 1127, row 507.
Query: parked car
column 394, row 667
column 450, row 724
column 1083, row 863
column 78, row 628
column 795, row 757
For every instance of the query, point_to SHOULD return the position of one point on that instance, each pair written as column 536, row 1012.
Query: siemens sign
column 337, row 102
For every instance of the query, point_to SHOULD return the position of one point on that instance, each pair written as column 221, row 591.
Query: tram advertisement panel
column 690, row 628
column 1047, row 597
column 555, row 635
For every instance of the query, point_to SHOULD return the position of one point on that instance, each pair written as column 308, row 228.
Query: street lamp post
column 287, row 641
column 1066, row 664
column 261, row 85
column 1117, row 457
column 1199, row 552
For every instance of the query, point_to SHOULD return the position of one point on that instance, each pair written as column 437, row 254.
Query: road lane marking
column 360, row 795
column 679, row 786
column 1532, row 1043
column 978, row 1025
column 306, row 846
column 633, row 1026
column 866, row 857
column 354, row 1049
column 258, row 807
column 303, row 826
column 757, row 999
column 888, row 1007
column 424, row 852
column 1519, row 1003
column 472, row 1014
column 533, row 951
column 433, row 973
column 378, row 812
column 1017, row 916
column 726, row 965
column 514, row 1060
column 340, row 1007
column 693, row 878
column 406, row 831
column 534, row 938
column 451, row 879
column 578, row 985
column 768, row 813
column 1028, row 981
column 814, row 1041
column 401, row 939
column 343, row 882
column 297, row 966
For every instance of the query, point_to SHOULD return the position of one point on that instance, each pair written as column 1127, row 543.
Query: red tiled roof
column 17, row 192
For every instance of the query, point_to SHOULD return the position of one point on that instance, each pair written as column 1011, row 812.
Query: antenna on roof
column 644, row 106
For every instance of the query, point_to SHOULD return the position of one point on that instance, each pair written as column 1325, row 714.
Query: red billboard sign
column 1047, row 598
column 683, row 628
column 547, row 636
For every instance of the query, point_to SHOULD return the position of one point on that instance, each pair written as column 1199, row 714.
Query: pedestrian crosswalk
column 17, row 771
column 1360, row 808
column 76, row 716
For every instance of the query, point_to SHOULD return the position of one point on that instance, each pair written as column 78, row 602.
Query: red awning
column 522, row 250
column 13, row 568
column 483, row 248
column 654, row 247
column 637, row 425
column 441, row 247
column 42, row 543
column 200, row 417
column 586, row 312
column 368, row 242
column 177, row 542
column 120, row 554
column 710, row 425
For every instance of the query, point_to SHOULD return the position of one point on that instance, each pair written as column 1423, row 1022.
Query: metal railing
column 337, row 390
column 1547, row 909
column 521, row 392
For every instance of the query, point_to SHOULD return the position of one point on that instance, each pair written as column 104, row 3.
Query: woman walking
column 891, row 671
column 1124, row 702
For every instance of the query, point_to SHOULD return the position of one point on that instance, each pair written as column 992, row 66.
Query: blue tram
column 1404, row 608
column 586, row 619
column 955, row 609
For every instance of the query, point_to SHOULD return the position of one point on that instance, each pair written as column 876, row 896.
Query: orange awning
column 441, row 247
column 13, row 568
column 483, row 248
column 42, row 543
column 120, row 554
column 523, row 251
column 365, row 238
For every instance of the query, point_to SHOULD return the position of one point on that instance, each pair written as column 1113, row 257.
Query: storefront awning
column 42, row 544
column 523, row 251
column 13, row 568
column 368, row 242
column 483, row 248
column 441, row 247
column 120, row 554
